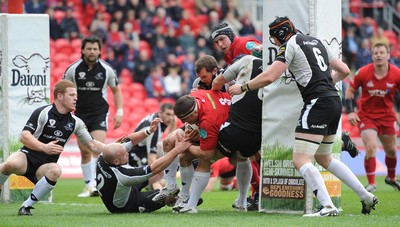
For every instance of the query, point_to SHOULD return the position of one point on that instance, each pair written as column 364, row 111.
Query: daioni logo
column 31, row 72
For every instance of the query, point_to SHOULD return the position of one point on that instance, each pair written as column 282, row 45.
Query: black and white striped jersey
column 91, row 85
column 308, row 61
column 46, row 124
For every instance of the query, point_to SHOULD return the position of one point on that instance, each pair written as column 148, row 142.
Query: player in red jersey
column 226, row 172
column 375, row 116
column 231, row 44
column 205, row 111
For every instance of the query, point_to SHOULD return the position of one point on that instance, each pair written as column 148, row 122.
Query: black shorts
column 33, row 165
column 95, row 122
column 320, row 116
column 146, row 203
column 232, row 139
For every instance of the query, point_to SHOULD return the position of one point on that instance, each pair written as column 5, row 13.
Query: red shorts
column 382, row 126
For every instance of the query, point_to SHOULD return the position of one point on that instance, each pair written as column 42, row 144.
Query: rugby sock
column 315, row 181
column 370, row 166
column 87, row 173
column 170, row 173
column 341, row 171
column 41, row 189
column 199, row 183
column 93, row 166
column 255, row 178
column 243, row 177
column 3, row 178
column 391, row 167
column 186, row 178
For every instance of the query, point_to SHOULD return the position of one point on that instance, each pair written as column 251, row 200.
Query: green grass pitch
column 69, row 210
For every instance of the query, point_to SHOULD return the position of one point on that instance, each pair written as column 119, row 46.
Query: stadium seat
column 126, row 77
column 151, row 103
column 76, row 44
column 166, row 100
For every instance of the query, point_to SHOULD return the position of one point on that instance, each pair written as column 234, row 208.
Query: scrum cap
column 281, row 28
column 222, row 29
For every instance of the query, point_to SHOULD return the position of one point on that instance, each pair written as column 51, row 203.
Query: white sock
column 341, row 171
column 315, row 181
column 243, row 178
column 93, row 166
column 87, row 173
column 170, row 173
column 186, row 177
column 41, row 189
column 199, row 183
column 3, row 178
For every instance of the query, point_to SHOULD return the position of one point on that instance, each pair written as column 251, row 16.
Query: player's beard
column 91, row 59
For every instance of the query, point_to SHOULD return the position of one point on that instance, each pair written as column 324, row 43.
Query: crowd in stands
column 156, row 41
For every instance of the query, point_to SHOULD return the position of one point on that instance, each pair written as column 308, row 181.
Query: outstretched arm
column 263, row 79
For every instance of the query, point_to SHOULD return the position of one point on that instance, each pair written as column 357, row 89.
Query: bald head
column 116, row 154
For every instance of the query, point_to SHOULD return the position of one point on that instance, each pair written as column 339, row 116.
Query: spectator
column 99, row 26
column 158, row 34
column 154, row 83
column 91, row 8
column 233, row 23
column 379, row 37
column 230, row 6
column 364, row 55
column 347, row 22
column 186, row 39
column 171, row 63
column 113, row 60
column 367, row 28
column 204, row 6
column 247, row 25
column 186, row 85
column 35, row 6
column 160, row 52
column 188, row 64
column 146, row 26
column 69, row 25
column 171, row 40
column 143, row 66
column 115, row 39
column 131, row 18
column 174, row 11
column 213, row 19
column 350, row 47
column 201, row 46
column 130, row 55
column 190, row 20
column 173, row 84
column 55, row 28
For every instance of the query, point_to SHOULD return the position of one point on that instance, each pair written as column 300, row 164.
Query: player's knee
column 8, row 167
column 54, row 172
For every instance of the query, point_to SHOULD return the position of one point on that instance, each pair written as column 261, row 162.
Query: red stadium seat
column 151, row 103
column 167, row 100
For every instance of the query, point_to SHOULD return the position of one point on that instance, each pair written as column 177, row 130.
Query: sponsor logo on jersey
column 58, row 133
column 203, row 133
column 52, row 123
column 90, row 84
column 99, row 76
column 250, row 45
column 69, row 127
column 370, row 84
column 312, row 43
column 81, row 76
